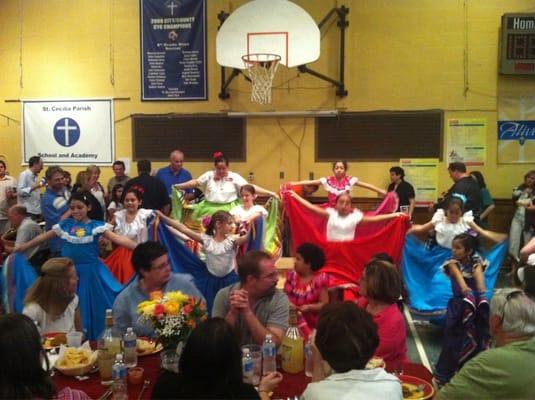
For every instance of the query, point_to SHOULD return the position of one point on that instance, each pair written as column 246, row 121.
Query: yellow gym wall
column 400, row 55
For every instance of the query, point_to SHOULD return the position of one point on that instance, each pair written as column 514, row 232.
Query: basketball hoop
column 261, row 69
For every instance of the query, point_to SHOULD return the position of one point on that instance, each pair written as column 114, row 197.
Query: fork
column 146, row 384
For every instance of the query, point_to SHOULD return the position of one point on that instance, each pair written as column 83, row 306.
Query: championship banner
column 516, row 130
column 73, row 132
column 173, row 50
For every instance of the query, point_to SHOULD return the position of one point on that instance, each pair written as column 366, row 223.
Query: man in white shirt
column 27, row 229
column 8, row 195
column 28, row 188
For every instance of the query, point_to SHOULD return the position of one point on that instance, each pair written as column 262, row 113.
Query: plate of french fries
column 74, row 361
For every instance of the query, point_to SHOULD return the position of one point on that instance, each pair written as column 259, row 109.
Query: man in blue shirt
column 54, row 205
column 154, row 273
column 174, row 173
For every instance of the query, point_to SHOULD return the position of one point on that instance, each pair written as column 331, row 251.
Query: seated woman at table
column 306, row 286
column 211, row 368
column 347, row 355
column 52, row 302
column 221, row 188
column 23, row 376
column 380, row 288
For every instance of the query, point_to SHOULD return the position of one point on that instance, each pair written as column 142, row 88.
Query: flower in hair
column 217, row 154
column 206, row 221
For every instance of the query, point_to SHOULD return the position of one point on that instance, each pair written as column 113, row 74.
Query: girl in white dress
column 451, row 222
column 220, row 245
column 245, row 215
column 130, row 222
column 52, row 301
column 342, row 220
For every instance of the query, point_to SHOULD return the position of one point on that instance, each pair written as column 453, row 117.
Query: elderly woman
column 96, row 188
column 221, row 188
column 505, row 372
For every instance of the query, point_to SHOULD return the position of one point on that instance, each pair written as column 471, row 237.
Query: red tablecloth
column 94, row 389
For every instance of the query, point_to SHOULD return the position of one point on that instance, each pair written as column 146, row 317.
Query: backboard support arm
column 341, row 91
column 341, row 15
column 225, row 82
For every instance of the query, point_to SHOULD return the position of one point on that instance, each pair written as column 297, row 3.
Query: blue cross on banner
column 66, row 132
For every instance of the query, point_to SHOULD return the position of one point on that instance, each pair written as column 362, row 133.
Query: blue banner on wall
column 173, row 46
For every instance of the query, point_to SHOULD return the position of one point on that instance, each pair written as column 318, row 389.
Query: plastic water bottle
column 247, row 366
column 269, row 355
column 130, row 348
column 119, row 379
column 309, row 363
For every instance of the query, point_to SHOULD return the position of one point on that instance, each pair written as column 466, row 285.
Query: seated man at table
column 153, row 273
column 254, row 306
column 346, row 338
column 506, row 371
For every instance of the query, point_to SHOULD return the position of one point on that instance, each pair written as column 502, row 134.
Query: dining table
column 291, row 387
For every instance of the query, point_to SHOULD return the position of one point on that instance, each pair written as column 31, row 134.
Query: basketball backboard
column 277, row 27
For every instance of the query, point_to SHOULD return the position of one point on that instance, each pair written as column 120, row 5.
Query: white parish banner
column 75, row 132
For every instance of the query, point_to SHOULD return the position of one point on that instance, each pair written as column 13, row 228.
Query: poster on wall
column 68, row 132
column 422, row 174
column 173, row 50
column 516, row 130
column 467, row 140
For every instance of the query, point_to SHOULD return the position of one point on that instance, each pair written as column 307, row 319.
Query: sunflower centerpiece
column 173, row 315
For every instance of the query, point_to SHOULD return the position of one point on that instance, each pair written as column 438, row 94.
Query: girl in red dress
column 339, row 183
column 306, row 286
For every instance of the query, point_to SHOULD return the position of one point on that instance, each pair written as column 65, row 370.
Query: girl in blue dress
column 97, row 287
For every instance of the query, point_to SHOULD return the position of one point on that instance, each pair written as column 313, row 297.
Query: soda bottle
column 119, row 379
column 292, row 347
column 309, row 364
column 269, row 355
column 247, row 366
column 130, row 348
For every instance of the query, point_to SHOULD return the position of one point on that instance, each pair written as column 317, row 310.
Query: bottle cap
column 119, row 357
column 129, row 330
column 245, row 351
column 269, row 336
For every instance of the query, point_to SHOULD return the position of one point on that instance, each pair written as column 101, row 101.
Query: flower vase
column 170, row 357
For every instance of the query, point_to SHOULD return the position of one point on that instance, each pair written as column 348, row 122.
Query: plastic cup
column 256, row 354
column 74, row 339
column 105, row 366
column 135, row 375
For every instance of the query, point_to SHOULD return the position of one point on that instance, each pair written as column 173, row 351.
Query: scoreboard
column 517, row 55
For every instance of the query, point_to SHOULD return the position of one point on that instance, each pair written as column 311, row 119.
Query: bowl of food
column 73, row 361
column 414, row 388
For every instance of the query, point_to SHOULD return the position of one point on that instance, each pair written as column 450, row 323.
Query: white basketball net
column 261, row 68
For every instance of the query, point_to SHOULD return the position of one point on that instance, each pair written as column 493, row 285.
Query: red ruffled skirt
column 120, row 265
